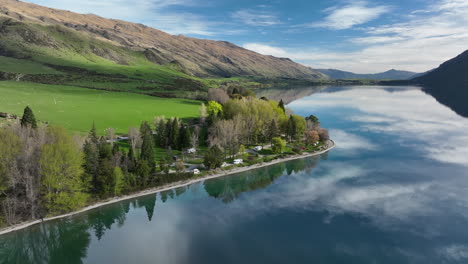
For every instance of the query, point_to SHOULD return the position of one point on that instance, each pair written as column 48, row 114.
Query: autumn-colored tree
column 312, row 136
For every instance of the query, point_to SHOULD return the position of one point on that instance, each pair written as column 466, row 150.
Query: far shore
column 331, row 145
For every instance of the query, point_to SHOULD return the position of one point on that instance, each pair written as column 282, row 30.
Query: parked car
column 238, row 161
column 196, row 171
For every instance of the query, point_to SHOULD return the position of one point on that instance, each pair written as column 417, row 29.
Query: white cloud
column 348, row 142
column 267, row 50
column 350, row 15
column 428, row 38
column 256, row 18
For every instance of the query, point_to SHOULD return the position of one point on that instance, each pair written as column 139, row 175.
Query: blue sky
column 359, row 36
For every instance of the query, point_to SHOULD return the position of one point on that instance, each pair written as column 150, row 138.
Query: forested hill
column 58, row 37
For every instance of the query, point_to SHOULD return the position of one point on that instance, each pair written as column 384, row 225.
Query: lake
column 394, row 190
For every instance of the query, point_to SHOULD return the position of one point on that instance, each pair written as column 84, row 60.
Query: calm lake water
column 395, row 190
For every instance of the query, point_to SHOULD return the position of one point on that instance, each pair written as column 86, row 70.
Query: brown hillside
column 197, row 57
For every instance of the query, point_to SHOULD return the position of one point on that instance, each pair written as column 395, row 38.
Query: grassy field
column 77, row 108
column 8, row 64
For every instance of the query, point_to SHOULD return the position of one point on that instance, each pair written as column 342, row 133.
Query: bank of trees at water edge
column 44, row 170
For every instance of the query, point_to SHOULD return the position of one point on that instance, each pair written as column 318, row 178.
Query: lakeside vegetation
column 45, row 171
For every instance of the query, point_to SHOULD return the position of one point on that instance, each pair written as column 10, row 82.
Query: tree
column 93, row 135
column 278, row 145
column 179, row 166
column 28, row 118
column 175, row 133
column 296, row 127
column 11, row 148
column 312, row 122
column 241, row 149
column 203, row 113
column 147, row 151
column 134, row 137
column 272, row 130
column 160, row 123
column 61, row 171
column 185, row 137
column 143, row 172
column 120, row 184
column 213, row 109
column 218, row 95
column 213, row 157
column 145, row 129
column 312, row 136
column 281, row 105
column 323, row 134
column 110, row 135
column 91, row 164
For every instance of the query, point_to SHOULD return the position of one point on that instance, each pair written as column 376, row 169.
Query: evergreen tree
column 147, row 151
column 213, row 157
column 281, row 105
column 184, row 137
column 93, row 135
column 131, row 164
column 115, row 149
column 168, row 133
column 120, row 184
column 143, row 172
column 272, row 130
column 160, row 134
column 91, row 163
column 175, row 133
column 291, row 130
column 145, row 129
column 28, row 118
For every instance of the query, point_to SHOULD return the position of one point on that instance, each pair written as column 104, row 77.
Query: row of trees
column 40, row 171
column 250, row 121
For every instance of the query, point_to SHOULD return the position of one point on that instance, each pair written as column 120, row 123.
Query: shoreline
column 165, row 188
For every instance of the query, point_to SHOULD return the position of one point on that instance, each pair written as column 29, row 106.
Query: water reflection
column 393, row 191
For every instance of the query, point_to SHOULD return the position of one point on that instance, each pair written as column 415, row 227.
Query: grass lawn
column 76, row 108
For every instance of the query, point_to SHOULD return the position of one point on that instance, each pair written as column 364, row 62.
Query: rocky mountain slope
column 88, row 41
column 388, row 75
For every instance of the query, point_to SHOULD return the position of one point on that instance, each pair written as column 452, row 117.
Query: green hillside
column 57, row 55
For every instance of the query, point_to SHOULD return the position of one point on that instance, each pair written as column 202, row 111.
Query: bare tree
column 203, row 113
column 110, row 135
column 135, row 138
column 194, row 140
column 217, row 94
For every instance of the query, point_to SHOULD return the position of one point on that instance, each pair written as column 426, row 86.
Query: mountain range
column 388, row 75
column 113, row 49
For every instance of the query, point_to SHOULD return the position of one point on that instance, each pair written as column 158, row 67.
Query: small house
column 196, row 171
column 238, row 161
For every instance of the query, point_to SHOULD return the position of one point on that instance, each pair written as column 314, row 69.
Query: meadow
column 77, row 108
